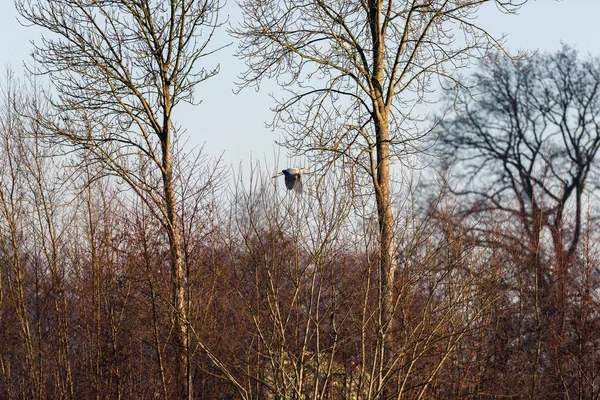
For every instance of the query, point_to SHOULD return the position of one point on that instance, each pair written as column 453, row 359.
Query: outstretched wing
column 290, row 180
column 293, row 181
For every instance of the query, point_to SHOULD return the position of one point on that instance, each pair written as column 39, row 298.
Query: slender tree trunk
column 183, row 375
column 35, row 388
column 539, row 286
column 387, row 265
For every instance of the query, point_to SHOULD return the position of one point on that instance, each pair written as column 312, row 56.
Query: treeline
column 281, row 291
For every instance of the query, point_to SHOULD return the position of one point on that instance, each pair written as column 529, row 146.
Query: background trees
column 524, row 152
column 533, row 133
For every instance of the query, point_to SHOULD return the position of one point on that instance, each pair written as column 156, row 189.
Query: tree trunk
column 180, row 321
column 387, row 265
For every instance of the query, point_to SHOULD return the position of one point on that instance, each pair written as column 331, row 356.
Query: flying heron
column 293, row 178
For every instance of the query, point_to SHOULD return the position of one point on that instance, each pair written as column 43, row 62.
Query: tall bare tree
column 356, row 74
column 525, row 150
column 120, row 67
column 533, row 130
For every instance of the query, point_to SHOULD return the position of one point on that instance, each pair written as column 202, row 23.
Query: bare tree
column 533, row 131
column 13, row 253
column 120, row 67
column 356, row 74
column 34, row 223
column 525, row 149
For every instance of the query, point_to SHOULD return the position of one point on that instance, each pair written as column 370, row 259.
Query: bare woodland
column 134, row 267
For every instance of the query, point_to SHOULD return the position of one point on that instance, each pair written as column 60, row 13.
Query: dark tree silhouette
column 523, row 149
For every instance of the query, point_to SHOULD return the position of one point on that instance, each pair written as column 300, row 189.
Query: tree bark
column 180, row 319
column 381, row 182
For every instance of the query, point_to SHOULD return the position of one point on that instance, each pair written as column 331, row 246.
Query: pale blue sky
column 235, row 124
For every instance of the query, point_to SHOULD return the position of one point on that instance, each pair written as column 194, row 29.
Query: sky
column 233, row 125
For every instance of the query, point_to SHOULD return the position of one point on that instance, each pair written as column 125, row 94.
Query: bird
column 293, row 178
